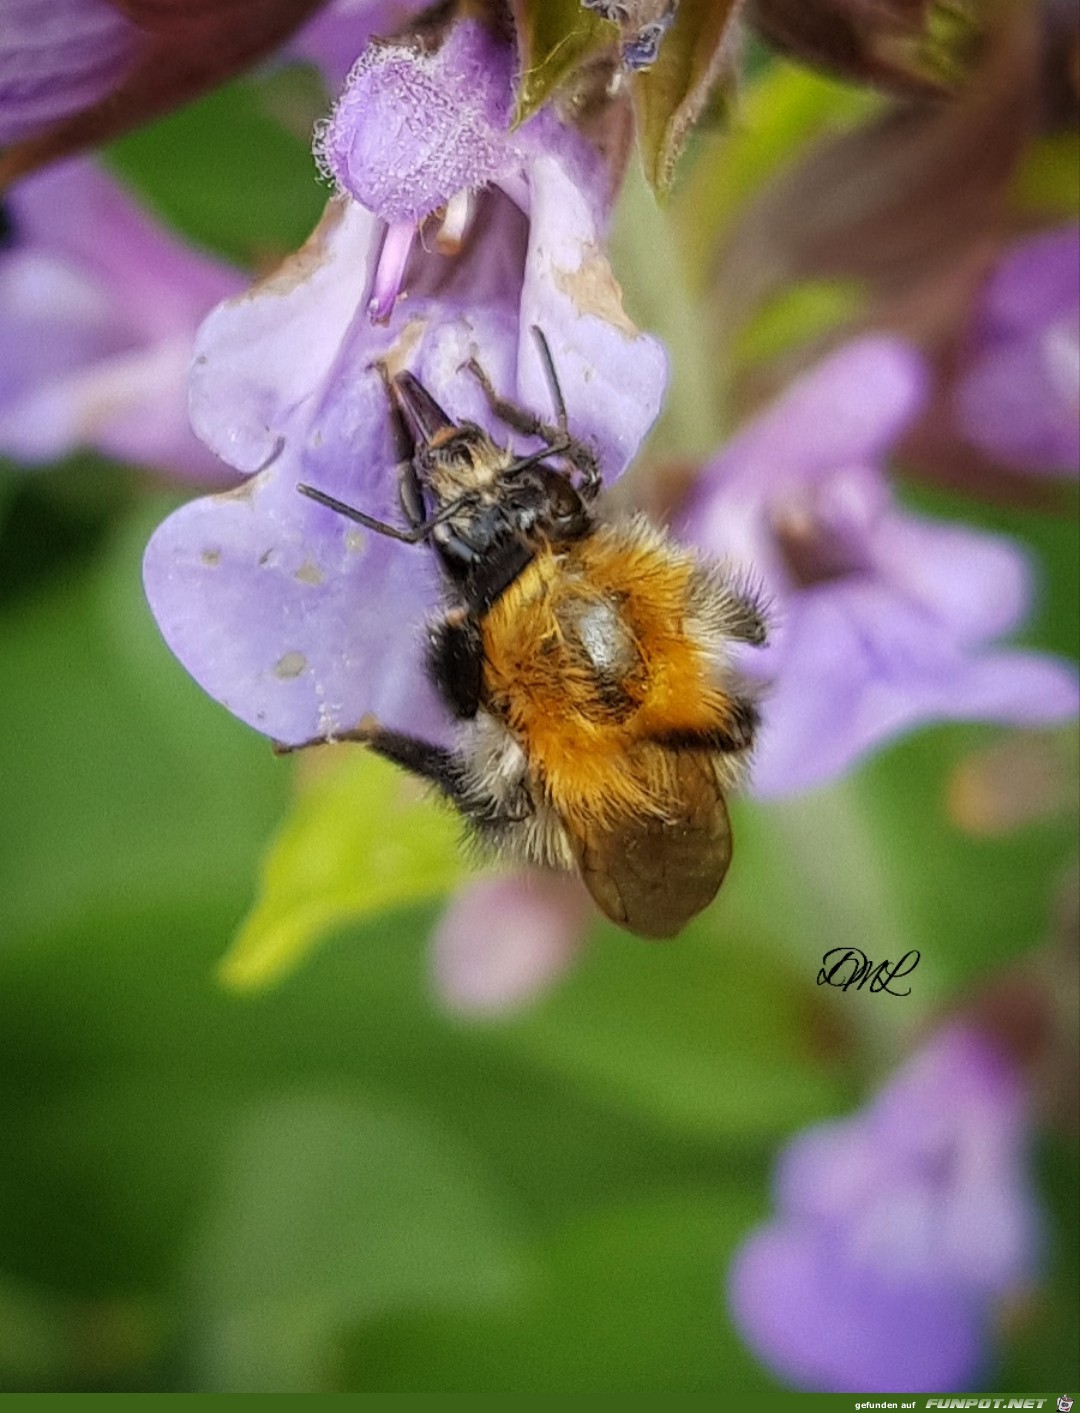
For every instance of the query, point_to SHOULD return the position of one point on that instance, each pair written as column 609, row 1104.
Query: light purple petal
column 333, row 38
column 98, row 315
column 896, row 1230
column 846, row 411
column 1038, row 278
column 412, row 128
column 977, row 586
column 1020, row 400
column 504, row 941
column 861, row 665
column 1019, row 397
column 74, row 211
column 261, row 358
column 881, row 620
column 613, row 377
column 826, row 1171
column 56, row 57
column 299, row 622
column 928, row 1181
column 823, row 1326
column 285, row 385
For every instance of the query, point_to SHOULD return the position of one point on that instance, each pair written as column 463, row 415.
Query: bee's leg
column 456, row 662
column 360, row 735
column 733, row 733
column 450, row 772
column 558, row 439
column 435, row 764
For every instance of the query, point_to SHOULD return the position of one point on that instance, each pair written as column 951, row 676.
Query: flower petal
column 56, row 57
column 262, row 357
column 504, row 941
column 896, row 1230
column 975, row 585
column 861, row 666
column 822, row 1325
column 414, row 127
column 1037, row 279
column 848, row 410
column 338, row 31
column 613, row 377
column 98, row 315
column 298, row 621
column 1019, row 395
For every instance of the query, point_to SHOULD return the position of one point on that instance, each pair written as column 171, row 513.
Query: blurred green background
column 332, row 1184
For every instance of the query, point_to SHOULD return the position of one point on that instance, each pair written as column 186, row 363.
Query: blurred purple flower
column 883, row 619
column 896, row 1232
column 98, row 312
column 504, row 940
column 1019, row 396
column 295, row 619
column 339, row 31
column 56, row 57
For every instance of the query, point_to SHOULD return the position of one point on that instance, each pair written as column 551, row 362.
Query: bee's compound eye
column 564, row 507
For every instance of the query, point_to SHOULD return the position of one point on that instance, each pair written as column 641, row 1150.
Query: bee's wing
column 652, row 876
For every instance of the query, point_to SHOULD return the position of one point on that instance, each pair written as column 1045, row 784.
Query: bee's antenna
column 552, row 377
column 411, row 536
column 351, row 513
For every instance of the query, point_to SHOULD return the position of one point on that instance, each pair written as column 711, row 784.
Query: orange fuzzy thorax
column 590, row 654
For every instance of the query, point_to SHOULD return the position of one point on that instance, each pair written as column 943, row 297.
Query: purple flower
column 98, row 312
column 451, row 130
column 338, row 31
column 883, row 619
column 299, row 622
column 56, row 57
column 506, row 939
column 896, row 1231
column 1019, row 396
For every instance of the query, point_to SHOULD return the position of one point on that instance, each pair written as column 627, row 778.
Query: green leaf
column 711, row 1035
column 554, row 37
column 234, row 171
column 142, row 1132
column 358, row 840
column 670, row 96
column 122, row 780
column 332, row 1210
column 34, row 1338
column 629, row 1299
column 797, row 315
column 1041, row 1334
column 1048, row 181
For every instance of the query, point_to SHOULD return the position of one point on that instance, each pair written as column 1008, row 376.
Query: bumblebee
column 586, row 658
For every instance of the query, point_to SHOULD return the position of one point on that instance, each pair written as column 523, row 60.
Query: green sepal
column 554, row 37
column 359, row 839
column 671, row 96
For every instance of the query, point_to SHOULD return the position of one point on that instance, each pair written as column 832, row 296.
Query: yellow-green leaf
column 670, row 96
column 1048, row 182
column 554, row 37
column 796, row 316
column 359, row 839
